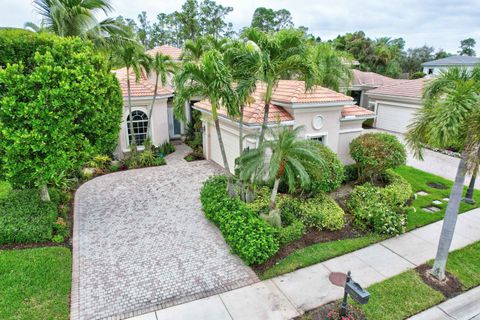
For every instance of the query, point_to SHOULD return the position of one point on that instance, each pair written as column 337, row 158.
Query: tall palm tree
column 77, row 18
column 285, row 157
column 473, row 151
column 163, row 66
column 282, row 56
column 444, row 120
column 134, row 59
column 333, row 66
column 211, row 79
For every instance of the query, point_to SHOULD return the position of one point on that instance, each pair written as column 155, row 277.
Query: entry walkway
column 291, row 294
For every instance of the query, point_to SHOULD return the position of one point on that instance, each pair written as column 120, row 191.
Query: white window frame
column 145, row 111
column 313, row 136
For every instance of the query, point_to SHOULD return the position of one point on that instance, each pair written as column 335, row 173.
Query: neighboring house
column 164, row 125
column 395, row 104
column 327, row 116
column 433, row 68
column 362, row 82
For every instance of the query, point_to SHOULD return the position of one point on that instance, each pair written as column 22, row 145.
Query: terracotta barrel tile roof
column 364, row 78
column 403, row 88
column 288, row 91
column 356, row 111
column 139, row 88
column 174, row 52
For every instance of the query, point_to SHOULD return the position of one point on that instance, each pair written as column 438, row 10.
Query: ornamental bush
column 59, row 106
column 374, row 153
column 251, row 238
column 321, row 212
column 381, row 210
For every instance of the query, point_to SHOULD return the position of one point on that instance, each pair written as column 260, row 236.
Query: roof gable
column 174, row 52
column 402, row 88
column 370, row 79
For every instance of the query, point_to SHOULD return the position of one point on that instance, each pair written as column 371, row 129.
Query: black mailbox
column 357, row 292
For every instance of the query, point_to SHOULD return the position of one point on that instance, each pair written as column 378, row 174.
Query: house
column 395, row 104
column 164, row 125
column 433, row 68
column 363, row 81
column 327, row 116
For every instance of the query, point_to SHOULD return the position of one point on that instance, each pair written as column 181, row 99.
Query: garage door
column 394, row 118
column 231, row 147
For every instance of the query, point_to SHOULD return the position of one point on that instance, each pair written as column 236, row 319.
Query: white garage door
column 394, row 118
column 231, row 147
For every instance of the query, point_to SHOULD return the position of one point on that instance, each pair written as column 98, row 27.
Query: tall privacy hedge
column 59, row 105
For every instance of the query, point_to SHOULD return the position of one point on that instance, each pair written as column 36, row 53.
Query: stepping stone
column 421, row 193
column 446, row 199
column 437, row 202
column 431, row 209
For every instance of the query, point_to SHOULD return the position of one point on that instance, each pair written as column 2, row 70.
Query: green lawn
column 400, row 297
column 406, row 294
column 419, row 179
column 416, row 218
column 5, row 189
column 35, row 283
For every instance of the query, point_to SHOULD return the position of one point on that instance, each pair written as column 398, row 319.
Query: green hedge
column 24, row 218
column 321, row 212
column 381, row 209
column 251, row 238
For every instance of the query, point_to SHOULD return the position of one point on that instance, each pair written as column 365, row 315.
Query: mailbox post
column 357, row 293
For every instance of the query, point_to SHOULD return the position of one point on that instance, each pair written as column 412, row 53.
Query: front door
column 174, row 125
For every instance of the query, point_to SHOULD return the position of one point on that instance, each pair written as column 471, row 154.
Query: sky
column 437, row 23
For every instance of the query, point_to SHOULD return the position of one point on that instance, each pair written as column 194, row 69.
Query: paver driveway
column 142, row 243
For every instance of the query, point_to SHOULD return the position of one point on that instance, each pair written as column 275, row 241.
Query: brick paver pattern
column 142, row 243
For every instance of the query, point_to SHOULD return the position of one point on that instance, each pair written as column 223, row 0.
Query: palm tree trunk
column 133, row 144
column 266, row 110
column 240, row 132
column 149, row 125
column 449, row 222
column 471, row 188
column 44, row 194
column 273, row 196
column 230, row 188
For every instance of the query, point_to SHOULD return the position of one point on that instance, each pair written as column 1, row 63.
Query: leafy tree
column 212, row 19
column 59, row 106
column 77, row 18
column 412, row 59
column 447, row 119
column 144, row 31
column 133, row 58
column 286, row 157
column 211, row 79
column 467, row 47
column 163, row 66
column 333, row 66
column 267, row 19
column 282, row 56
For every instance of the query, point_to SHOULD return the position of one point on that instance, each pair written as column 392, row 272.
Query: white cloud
column 440, row 23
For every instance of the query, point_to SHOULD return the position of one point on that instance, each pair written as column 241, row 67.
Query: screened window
column 140, row 126
column 320, row 139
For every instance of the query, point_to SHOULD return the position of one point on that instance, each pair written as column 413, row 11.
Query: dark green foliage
column 381, row 209
column 351, row 173
column 374, row 153
column 24, row 218
column 59, row 106
column 417, row 75
column 291, row 232
column 251, row 238
column 165, row 149
column 329, row 174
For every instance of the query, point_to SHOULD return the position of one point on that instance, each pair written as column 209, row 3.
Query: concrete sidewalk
column 463, row 307
column 291, row 294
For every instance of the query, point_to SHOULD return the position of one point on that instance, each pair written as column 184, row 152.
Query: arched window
column 140, row 127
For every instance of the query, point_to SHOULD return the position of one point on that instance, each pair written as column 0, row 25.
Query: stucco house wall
column 349, row 130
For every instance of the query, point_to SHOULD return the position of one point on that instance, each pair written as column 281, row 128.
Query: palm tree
column 333, row 66
column 449, row 103
column 134, row 59
column 211, row 79
column 473, row 150
column 163, row 66
column 282, row 56
column 77, row 18
column 285, row 157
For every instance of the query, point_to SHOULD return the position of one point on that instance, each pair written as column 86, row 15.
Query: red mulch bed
column 450, row 287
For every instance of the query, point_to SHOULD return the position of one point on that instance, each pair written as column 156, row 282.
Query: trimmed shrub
column 251, row 238
column 321, row 212
column 325, row 177
column 374, row 153
column 290, row 233
column 59, row 106
column 351, row 173
column 25, row 218
column 381, row 209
